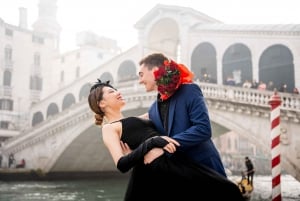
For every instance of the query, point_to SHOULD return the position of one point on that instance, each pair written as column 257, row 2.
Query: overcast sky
column 115, row 19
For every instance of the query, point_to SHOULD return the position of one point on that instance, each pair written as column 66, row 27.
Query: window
column 9, row 32
column 8, row 53
column 6, row 78
column 77, row 72
column 37, row 39
column 6, row 104
column 37, row 59
column 36, row 83
column 62, row 76
column 4, row 124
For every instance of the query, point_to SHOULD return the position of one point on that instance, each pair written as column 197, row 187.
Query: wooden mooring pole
column 275, row 103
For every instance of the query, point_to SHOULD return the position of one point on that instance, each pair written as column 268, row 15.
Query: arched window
column 84, row 91
column 52, row 110
column 204, row 63
column 68, row 101
column 37, row 118
column 127, row 71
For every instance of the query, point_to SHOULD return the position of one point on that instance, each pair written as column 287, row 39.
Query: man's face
column 146, row 77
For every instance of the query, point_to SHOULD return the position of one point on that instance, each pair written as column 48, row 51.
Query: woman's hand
column 152, row 155
column 125, row 148
column 156, row 152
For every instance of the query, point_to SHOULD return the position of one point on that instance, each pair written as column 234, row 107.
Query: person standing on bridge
column 169, row 177
column 181, row 113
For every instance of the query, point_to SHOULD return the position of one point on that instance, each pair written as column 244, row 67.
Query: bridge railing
column 51, row 126
column 290, row 102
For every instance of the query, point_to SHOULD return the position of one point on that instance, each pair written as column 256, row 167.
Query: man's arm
column 191, row 117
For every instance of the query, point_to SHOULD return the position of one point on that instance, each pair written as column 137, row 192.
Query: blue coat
column 189, row 124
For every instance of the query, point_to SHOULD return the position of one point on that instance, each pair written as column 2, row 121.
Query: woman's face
column 111, row 99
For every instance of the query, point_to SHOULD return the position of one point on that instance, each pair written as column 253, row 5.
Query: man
column 11, row 160
column 250, row 170
column 183, row 115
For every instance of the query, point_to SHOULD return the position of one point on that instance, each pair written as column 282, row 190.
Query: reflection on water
column 113, row 189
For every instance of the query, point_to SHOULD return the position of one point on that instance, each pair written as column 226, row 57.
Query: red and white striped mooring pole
column 275, row 103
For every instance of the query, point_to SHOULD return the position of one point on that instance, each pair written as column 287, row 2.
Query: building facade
column 32, row 67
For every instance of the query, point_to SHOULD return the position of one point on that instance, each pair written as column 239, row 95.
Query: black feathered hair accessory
column 100, row 83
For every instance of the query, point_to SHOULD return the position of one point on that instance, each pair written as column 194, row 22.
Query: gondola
column 245, row 188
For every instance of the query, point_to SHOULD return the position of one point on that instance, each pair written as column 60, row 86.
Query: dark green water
column 113, row 189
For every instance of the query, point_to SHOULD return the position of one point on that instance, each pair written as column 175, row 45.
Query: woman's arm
column 125, row 163
column 111, row 134
column 157, row 152
column 111, row 138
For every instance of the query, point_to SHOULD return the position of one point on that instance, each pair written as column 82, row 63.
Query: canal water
column 112, row 189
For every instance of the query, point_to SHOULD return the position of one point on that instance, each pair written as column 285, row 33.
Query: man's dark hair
column 156, row 59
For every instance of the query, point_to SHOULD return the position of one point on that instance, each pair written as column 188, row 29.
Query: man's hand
column 171, row 147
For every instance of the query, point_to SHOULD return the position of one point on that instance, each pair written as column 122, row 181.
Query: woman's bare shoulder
column 112, row 124
column 111, row 131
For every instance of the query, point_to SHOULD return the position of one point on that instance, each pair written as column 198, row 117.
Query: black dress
column 171, row 176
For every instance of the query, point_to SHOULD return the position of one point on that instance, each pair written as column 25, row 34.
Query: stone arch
column 237, row 63
column 277, row 64
column 52, row 110
column 127, row 71
column 84, row 91
column 164, row 37
column 68, row 100
column 37, row 118
column 204, row 63
column 107, row 76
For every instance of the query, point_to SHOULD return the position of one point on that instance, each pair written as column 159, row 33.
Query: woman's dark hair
column 155, row 59
column 96, row 95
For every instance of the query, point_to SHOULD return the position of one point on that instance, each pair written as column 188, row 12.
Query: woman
column 168, row 177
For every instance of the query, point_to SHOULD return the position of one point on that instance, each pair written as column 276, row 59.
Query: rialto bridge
column 61, row 136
